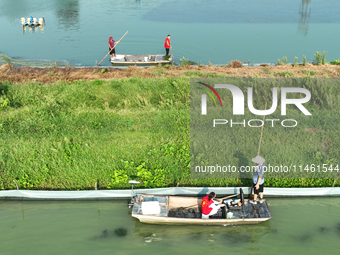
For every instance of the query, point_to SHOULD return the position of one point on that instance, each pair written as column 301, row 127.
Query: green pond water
column 218, row 31
column 299, row 226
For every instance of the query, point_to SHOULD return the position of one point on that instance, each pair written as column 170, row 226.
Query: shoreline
column 53, row 74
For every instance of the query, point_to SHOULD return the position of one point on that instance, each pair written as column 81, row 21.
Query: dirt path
column 46, row 75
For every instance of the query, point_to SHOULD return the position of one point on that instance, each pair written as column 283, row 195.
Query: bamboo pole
column 173, row 57
column 113, row 48
column 258, row 151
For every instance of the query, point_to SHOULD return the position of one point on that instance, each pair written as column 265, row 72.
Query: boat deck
column 187, row 210
column 121, row 59
column 247, row 211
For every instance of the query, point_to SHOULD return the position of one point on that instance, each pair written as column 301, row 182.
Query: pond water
column 218, row 31
column 298, row 226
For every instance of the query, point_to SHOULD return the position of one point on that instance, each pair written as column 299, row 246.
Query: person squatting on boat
column 167, row 45
column 258, row 179
column 209, row 206
column 112, row 47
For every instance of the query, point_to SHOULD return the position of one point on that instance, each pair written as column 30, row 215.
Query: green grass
column 309, row 72
column 267, row 71
column 285, row 74
column 70, row 135
column 202, row 74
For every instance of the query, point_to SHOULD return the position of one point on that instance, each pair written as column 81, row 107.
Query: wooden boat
column 144, row 60
column 158, row 209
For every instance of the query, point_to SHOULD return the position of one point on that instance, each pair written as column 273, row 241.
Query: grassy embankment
column 70, row 135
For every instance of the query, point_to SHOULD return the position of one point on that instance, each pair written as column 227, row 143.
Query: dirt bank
column 46, row 75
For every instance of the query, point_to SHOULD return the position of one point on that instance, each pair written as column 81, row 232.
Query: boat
column 182, row 210
column 143, row 60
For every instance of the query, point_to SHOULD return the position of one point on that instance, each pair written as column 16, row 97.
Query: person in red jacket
column 167, row 45
column 209, row 206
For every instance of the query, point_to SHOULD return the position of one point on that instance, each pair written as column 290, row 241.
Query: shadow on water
column 68, row 15
column 305, row 12
column 230, row 234
column 337, row 228
column 323, row 229
column 118, row 232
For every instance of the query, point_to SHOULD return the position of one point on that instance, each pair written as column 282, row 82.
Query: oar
column 44, row 20
column 173, row 57
column 114, row 46
column 258, row 153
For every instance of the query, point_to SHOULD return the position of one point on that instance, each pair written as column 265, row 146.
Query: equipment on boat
column 160, row 209
column 146, row 60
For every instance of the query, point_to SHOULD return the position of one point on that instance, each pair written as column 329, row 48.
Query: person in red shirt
column 209, row 206
column 167, row 45
column 112, row 47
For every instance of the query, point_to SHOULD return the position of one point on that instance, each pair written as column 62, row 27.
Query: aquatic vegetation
column 7, row 60
column 295, row 61
column 305, row 238
column 282, row 61
column 320, row 58
column 200, row 64
column 185, row 62
column 335, row 62
column 104, row 234
column 121, row 232
column 324, row 57
column 323, row 229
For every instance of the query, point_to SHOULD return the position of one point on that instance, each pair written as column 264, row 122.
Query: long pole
column 173, row 57
column 258, row 151
column 113, row 48
column 223, row 198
